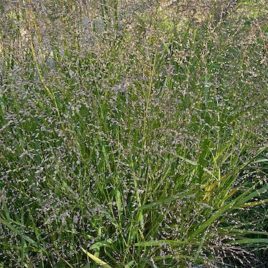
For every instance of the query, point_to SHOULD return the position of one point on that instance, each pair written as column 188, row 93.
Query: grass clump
column 133, row 135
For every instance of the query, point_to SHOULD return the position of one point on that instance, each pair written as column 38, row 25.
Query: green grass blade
column 96, row 259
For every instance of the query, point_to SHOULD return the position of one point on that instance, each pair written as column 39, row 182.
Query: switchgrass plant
column 133, row 134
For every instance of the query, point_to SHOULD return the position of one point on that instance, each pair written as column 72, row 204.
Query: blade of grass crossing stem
column 96, row 259
column 193, row 163
column 250, row 241
column 225, row 188
column 245, row 197
column 163, row 201
column 159, row 243
column 17, row 232
column 241, row 231
column 212, row 219
column 236, row 203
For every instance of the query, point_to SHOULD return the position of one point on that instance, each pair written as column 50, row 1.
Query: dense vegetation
column 133, row 133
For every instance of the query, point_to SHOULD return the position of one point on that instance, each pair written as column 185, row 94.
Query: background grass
column 133, row 134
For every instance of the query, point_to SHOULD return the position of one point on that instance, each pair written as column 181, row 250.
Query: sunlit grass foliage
column 133, row 133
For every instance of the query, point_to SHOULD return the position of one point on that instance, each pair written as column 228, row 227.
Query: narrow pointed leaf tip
column 96, row 259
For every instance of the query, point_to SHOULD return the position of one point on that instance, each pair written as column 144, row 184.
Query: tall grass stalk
column 133, row 134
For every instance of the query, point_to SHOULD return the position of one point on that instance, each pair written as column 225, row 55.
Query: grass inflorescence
column 133, row 133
